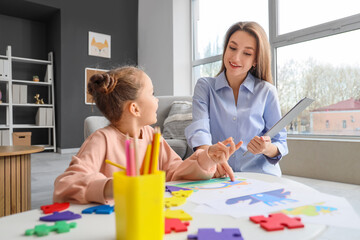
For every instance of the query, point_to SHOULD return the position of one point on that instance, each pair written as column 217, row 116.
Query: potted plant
column 36, row 78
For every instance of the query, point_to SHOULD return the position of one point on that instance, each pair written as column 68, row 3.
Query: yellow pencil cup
column 139, row 206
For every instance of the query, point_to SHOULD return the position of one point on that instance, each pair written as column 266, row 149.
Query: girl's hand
column 220, row 154
column 108, row 190
column 262, row 145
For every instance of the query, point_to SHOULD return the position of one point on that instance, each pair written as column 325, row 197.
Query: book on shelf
column 49, row 74
column 23, row 94
column 2, row 73
column 49, row 117
column 5, row 137
column 40, row 118
column 16, row 93
column 4, row 69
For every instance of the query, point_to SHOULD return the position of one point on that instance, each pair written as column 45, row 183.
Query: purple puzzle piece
column 59, row 216
column 174, row 188
column 211, row 234
column 101, row 209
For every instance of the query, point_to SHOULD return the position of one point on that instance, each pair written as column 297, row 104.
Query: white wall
column 164, row 45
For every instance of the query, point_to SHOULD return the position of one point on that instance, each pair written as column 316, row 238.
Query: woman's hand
column 220, row 154
column 262, row 145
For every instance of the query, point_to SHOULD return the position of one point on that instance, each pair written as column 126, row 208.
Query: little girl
column 125, row 97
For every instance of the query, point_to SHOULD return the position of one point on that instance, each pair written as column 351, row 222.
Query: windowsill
column 324, row 138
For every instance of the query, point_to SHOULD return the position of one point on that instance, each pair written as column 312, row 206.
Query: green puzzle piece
column 43, row 229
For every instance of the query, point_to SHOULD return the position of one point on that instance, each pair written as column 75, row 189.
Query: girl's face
column 147, row 102
column 240, row 55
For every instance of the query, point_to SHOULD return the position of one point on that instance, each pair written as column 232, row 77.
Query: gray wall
column 327, row 160
column 66, row 34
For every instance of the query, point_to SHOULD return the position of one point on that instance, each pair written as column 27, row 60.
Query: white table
column 97, row 226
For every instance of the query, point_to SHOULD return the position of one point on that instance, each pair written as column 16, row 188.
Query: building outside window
column 313, row 56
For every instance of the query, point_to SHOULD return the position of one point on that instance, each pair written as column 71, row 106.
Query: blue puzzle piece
column 174, row 188
column 101, row 209
column 59, row 216
column 211, row 234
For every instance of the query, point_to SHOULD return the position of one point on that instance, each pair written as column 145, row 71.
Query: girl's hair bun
column 101, row 84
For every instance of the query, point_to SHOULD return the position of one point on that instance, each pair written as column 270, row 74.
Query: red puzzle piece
column 56, row 207
column 175, row 224
column 277, row 221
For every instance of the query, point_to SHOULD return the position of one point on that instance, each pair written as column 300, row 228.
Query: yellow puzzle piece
column 182, row 193
column 180, row 214
column 174, row 201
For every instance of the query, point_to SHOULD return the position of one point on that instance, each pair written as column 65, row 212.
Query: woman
column 240, row 102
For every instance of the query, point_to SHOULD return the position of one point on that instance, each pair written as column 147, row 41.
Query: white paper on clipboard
column 288, row 117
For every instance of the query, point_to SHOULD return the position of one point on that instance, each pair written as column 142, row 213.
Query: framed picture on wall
column 88, row 73
column 99, row 45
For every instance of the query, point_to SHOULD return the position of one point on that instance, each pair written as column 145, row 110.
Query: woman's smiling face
column 240, row 55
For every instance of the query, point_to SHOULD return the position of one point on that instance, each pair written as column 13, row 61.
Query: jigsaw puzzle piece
column 59, row 216
column 182, row 193
column 180, row 214
column 170, row 189
column 101, row 209
column 211, row 234
column 56, row 207
column 44, row 230
column 175, row 224
column 277, row 221
column 174, row 201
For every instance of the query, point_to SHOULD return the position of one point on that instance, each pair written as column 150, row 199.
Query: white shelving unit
column 6, row 78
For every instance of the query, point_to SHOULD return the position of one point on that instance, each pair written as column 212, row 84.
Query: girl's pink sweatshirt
column 85, row 178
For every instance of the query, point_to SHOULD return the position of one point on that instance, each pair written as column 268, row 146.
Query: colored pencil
column 132, row 159
column 155, row 150
column 115, row 164
column 136, row 166
column 127, row 152
column 146, row 163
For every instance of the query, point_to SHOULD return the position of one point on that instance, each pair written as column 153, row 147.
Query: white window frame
column 327, row 29
column 198, row 62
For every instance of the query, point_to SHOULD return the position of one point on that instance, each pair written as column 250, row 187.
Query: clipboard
column 288, row 117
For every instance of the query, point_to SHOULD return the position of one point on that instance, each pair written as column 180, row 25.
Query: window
column 291, row 13
column 313, row 56
column 210, row 20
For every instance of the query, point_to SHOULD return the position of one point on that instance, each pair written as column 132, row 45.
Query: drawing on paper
column 215, row 183
column 310, row 210
column 270, row 198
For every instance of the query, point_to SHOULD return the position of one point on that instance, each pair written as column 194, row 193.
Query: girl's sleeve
column 198, row 166
column 272, row 115
column 82, row 182
column 198, row 132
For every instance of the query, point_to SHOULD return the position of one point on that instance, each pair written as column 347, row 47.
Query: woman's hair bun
column 101, row 83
